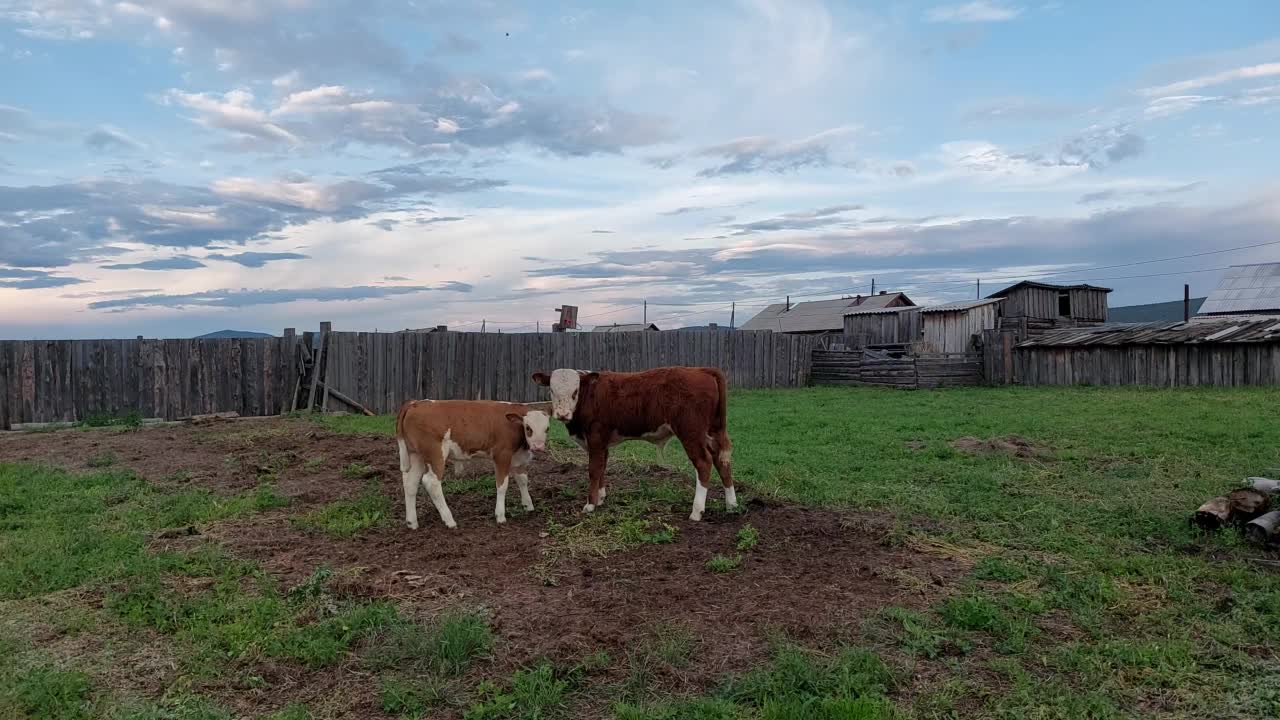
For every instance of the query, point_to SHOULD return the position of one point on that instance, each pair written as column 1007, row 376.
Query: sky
column 173, row 167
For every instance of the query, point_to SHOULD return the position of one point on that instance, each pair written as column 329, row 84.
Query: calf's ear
column 591, row 376
column 515, row 418
column 542, row 379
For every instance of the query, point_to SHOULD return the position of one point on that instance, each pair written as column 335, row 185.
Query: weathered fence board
column 909, row 371
column 498, row 366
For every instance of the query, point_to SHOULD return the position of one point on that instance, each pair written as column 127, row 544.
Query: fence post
column 317, row 368
column 289, row 403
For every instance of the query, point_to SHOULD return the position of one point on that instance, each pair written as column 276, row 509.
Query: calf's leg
column 411, row 468
column 501, row 474
column 431, row 481
column 721, row 457
column 599, row 459
column 523, row 481
column 696, row 449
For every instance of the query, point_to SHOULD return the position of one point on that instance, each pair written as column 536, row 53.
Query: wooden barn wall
column 381, row 370
column 1042, row 303
column 952, row 332
column 1223, row 365
column 1089, row 305
column 862, row 329
column 70, row 380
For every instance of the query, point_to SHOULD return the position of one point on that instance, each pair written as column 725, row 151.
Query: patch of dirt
column 815, row 574
column 1015, row 445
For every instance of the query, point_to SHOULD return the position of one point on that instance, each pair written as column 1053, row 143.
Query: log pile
column 1254, row 509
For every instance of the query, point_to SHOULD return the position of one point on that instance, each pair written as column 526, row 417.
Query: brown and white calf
column 603, row 409
column 431, row 432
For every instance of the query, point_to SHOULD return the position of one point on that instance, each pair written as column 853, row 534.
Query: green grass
column 347, row 518
column 130, row 420
column 59, row 530
column 534, row 693
column 724, row 563
column 1083, row 593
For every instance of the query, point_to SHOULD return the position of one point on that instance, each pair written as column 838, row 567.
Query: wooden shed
column 951, row 328
column 1085, row 303
column 882, row 326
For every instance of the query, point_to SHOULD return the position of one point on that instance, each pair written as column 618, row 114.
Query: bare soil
column 1014, row 445
column 816, row 575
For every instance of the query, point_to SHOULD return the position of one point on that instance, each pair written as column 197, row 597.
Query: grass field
column 1073, row 588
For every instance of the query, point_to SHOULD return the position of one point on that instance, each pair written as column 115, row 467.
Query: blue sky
column 170, row 167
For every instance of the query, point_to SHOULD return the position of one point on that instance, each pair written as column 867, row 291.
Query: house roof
column 882, row 311
column 1204, row 330
column 1152, row 312
column 1246, row 288
column 631, row 327
column 960, row 306
column 1045, row 286
column 818, row 315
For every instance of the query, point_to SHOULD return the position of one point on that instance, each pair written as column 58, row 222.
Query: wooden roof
column 1045, row 286
column 1203, row 331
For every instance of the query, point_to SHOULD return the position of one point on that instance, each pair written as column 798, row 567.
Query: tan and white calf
column 429, row 433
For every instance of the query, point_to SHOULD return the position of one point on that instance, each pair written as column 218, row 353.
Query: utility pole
column 733, row 311
column 646, row 312
column 979, row 296
column 873, row 286
column 539, row 327
column 1186, row 302
column 482, row 322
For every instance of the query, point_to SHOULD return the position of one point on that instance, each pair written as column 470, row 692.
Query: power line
column 947, row 286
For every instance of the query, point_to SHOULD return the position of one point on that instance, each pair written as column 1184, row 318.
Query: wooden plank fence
column 70, row 380
column 381, row 370
column 907, row 371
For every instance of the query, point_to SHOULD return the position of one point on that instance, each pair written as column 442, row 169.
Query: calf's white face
column 535, row 429
column 565, row 385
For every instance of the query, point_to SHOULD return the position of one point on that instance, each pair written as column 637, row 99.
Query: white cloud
column 297, row 193
column 974, row 12
column 1251, row 72
column 537, row 75
column 287, row 80
column 234, row 112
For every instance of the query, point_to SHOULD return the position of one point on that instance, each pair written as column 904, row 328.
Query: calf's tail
column 401, row 440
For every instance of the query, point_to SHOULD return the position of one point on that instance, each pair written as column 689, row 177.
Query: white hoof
column 411, row 525
column 452, row 525
column 604, row 493
column 695, row 516
column 528, row 507
column 501, row 520
column 588, row 508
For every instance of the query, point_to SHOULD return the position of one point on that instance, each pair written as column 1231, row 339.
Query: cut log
column 1262, row 530
column 1248, row 504
column 343, row 397
column 1266, row 485
column 1213, row 514
column 211, row 417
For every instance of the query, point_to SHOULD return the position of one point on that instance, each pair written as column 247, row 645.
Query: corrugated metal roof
column 817, row 315
column 1246, row 288
column 962, row 305
column 1163, row 333
column 1045, row 286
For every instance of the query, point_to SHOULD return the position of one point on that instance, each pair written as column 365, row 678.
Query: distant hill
column 1151, row 312
column 233, row 334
